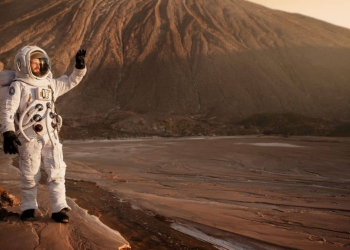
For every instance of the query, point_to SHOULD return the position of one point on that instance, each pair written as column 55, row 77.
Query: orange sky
column 333, row 11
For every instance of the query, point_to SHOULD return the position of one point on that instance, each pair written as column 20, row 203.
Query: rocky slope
column 222, row 60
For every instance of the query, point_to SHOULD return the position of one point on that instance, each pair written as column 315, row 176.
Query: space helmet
column 37, row 57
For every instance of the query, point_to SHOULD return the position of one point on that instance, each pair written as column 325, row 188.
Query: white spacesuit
column 28, row 112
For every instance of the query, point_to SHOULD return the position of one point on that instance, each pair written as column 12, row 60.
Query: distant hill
column 213, row 63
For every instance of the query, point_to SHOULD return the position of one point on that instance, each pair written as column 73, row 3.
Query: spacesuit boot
column 29, row 213
column 61, row 216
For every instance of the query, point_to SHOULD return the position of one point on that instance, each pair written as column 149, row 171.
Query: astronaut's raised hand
column 79, row 59
column 11, row 142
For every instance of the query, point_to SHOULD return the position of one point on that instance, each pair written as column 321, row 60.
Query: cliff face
column 221, row 59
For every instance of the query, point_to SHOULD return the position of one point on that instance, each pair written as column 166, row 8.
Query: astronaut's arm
column 10, row 105
column 64, row 83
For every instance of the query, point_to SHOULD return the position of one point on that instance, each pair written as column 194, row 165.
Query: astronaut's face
column 35, row 67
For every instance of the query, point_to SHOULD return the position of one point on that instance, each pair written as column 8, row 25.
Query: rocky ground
column 248, row 192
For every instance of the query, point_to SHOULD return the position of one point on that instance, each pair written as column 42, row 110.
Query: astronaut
column 31, row 125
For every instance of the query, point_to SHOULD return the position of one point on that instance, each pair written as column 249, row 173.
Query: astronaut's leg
column 55, row 168
column 29, row 165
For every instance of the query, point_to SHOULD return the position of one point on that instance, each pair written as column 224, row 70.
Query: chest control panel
column 44, row 94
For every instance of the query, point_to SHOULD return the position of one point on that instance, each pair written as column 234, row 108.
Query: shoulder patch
column 12, row 90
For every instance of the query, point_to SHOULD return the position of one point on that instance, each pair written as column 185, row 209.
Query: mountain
column 211, row 60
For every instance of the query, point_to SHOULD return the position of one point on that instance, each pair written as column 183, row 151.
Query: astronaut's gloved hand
column 79, row 59
column 10, row 142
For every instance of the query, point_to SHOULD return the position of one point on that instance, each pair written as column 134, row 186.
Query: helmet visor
column 39, row 64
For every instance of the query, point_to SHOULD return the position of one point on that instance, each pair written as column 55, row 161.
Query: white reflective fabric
column 23, row 95
column 32, row 153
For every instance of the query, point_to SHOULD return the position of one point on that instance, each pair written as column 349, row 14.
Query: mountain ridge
column 225, row 60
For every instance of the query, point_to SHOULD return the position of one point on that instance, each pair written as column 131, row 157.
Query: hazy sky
column 333, row 11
